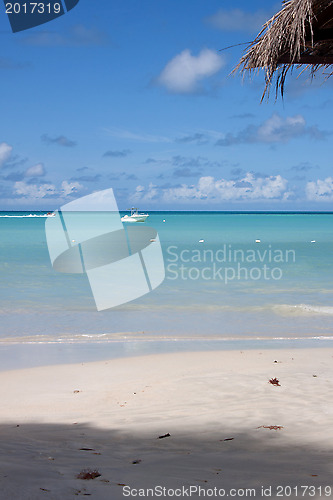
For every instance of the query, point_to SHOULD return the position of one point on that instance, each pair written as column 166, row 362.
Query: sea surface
column 233, row 280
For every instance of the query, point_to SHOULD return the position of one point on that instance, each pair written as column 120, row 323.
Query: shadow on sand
column 42, row 461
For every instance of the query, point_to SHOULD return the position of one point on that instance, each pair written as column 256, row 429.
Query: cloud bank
column 250, row 187
column 272, row 131
column 39, row 191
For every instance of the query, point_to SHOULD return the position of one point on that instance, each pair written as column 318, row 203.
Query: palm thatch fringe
column 300, row 33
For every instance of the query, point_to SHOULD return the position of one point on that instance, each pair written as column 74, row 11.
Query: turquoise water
column 221, row 284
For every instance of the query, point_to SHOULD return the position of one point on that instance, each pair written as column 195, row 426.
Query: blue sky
column 137, row 96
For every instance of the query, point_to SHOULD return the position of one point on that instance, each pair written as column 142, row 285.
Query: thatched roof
column 300, row 33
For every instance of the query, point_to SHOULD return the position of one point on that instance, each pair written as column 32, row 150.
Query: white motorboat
column 135, row 216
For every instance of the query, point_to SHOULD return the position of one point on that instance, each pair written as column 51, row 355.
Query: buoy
column 163, row 220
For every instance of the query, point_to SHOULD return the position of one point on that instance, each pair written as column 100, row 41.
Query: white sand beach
column 224, row 426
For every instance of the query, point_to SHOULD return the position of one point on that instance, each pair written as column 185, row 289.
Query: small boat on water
column 135, row 216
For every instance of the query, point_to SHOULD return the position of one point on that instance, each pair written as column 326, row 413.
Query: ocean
column 232, row 280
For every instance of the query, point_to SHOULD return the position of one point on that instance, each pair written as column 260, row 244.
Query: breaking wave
column 303, row 309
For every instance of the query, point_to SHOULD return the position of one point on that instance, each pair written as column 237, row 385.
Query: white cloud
column 142, row 194
column 320, row 190
column 251, row 187
column 184, row 71
column 37, row 170
column 69, row 188
column 34, row 191
column 5, row 152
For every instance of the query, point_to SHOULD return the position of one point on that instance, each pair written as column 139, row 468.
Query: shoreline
column 228, row 426
column 24, row 355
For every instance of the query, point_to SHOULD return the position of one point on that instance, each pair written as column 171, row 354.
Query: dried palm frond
column 300, row 33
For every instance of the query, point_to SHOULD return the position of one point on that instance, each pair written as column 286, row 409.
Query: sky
column 139, row 97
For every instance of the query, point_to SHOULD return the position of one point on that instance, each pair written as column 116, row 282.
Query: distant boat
column 135, row 216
